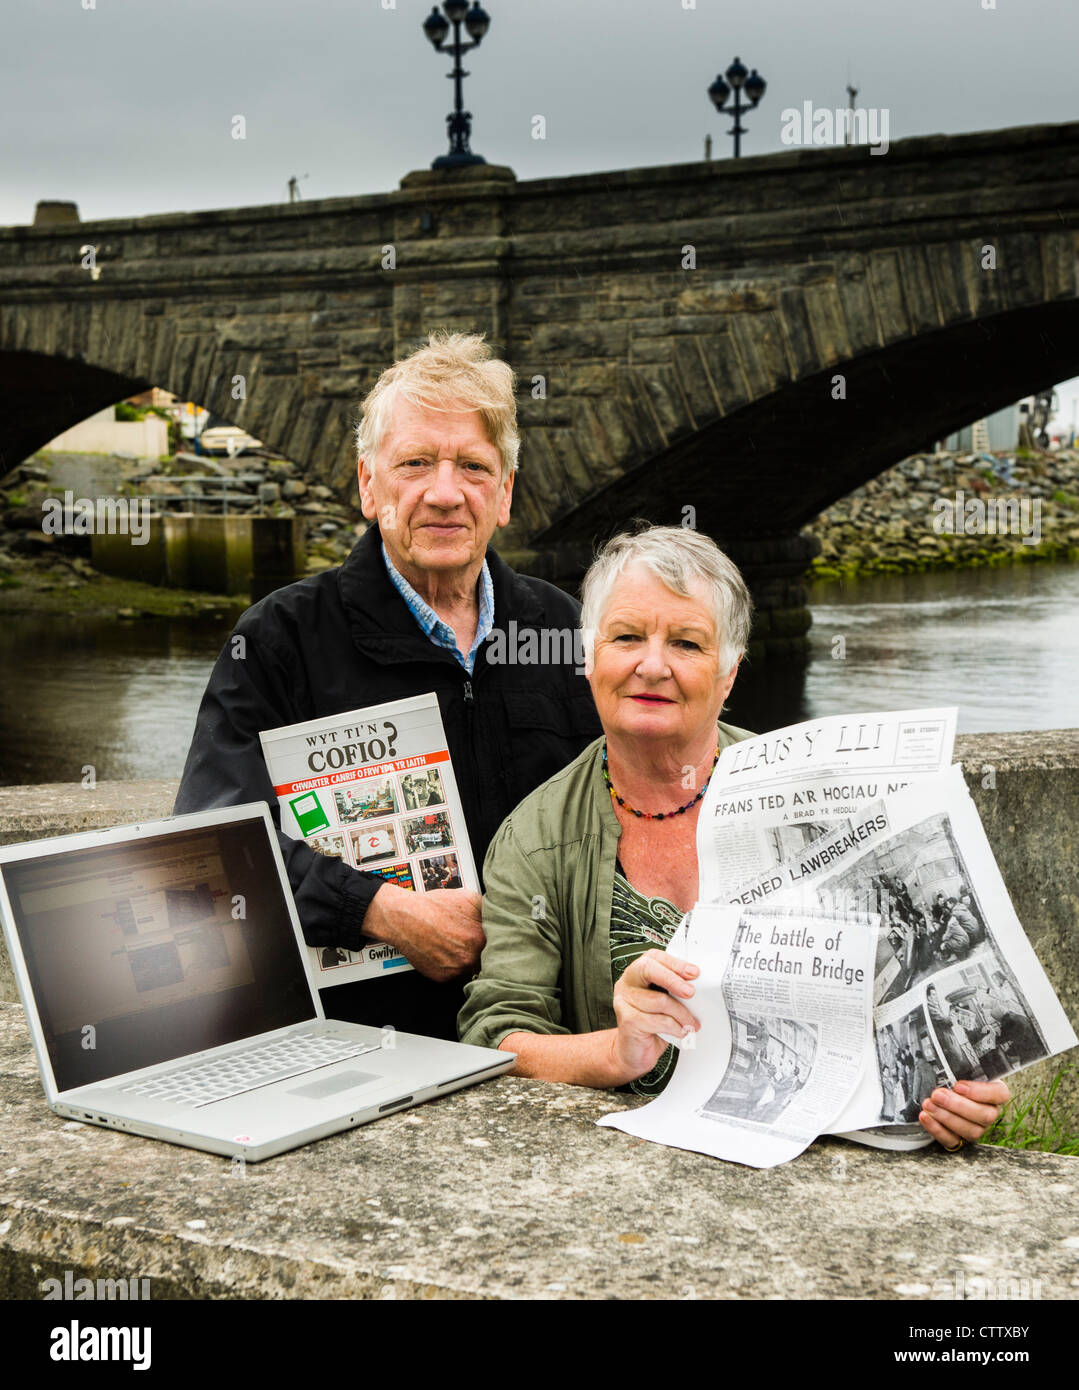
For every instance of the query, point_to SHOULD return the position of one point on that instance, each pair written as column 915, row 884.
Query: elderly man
column 410, row 611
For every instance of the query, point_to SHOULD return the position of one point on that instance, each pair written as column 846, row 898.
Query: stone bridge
column 750, row 339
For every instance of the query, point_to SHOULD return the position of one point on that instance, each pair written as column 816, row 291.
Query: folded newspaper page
column 770, row 795
column 784, row 1003
column 375, row 788
column 773, row 794
column 958, row 991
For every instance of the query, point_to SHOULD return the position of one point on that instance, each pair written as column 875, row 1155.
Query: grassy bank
column 967, row 557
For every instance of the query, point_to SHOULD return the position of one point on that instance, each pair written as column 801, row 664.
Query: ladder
column 979, row 437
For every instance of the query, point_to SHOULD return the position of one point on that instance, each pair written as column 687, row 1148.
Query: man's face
column 436, row 490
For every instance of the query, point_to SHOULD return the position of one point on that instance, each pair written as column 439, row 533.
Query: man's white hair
column 452, row 370
column 680, row 558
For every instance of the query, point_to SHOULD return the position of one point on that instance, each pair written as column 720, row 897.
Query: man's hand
column 439, row 933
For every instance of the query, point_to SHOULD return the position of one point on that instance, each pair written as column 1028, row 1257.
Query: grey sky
column 127, row 108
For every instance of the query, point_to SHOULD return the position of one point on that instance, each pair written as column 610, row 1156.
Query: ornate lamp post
column 738, row 79
column 459, row 122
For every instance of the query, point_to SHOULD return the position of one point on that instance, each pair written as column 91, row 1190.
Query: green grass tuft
column 1032, row 1124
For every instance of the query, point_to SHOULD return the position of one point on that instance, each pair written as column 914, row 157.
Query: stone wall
column 104, row 434
column 509, row 1190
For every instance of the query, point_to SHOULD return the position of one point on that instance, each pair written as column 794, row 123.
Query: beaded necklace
column 654, row 815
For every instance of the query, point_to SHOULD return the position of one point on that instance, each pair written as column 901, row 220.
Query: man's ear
column 504, row 505
column 367, row 497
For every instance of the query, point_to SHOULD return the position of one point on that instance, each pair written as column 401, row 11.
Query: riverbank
column 47, row 574
column 951, row 511
column 69, row 587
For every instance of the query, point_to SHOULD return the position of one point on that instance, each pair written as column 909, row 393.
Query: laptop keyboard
column 240, row 1072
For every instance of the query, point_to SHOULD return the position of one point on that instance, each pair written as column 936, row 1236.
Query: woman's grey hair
column 680, row 558
column 452, row 370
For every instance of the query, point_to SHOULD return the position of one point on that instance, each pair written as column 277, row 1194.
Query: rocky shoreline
column 940, row 511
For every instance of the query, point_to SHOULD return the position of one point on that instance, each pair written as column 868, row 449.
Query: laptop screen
column 151, row 949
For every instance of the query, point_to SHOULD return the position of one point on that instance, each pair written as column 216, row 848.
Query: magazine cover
column 374, row 787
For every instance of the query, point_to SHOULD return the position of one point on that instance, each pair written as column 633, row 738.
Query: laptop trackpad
column 330, row 1085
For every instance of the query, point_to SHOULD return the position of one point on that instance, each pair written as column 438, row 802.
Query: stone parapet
column 510, row 1191
column 64, row 808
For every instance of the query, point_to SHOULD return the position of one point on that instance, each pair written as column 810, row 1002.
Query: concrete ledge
column 509, row 1191
column 1025, row 785
column 1026, row 788
column 62, row 808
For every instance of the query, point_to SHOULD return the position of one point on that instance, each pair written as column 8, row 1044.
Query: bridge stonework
column 732, row 345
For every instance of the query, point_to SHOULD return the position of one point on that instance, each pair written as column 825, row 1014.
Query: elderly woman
column 587, row 879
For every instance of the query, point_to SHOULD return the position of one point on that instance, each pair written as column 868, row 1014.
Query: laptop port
column 393, row 1104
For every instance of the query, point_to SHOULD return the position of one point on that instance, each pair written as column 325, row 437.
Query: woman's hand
column 963, row 1113
column 643, row 1013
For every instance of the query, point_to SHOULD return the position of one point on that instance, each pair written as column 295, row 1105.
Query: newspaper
column 907, row 875
column 784, row 1003
column 375, row 788
column 771, row 795
column 958, row 991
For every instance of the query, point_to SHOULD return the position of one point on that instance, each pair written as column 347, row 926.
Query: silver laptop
column 167, row 988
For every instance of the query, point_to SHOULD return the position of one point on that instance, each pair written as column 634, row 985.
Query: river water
column 1003, row 644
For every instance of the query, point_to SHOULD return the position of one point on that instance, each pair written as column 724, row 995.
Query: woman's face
column 655, row 672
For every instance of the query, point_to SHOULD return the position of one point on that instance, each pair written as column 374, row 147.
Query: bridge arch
column 47, row 386
column 768, row 467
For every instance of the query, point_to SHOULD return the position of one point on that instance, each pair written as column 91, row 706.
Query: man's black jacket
column 343, row 640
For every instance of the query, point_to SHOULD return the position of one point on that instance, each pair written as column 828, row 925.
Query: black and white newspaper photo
column 784, row 1002
column 374, row 787
column 958, row 991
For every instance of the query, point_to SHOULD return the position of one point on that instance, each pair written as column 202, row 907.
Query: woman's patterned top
column 639, row 924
